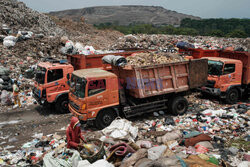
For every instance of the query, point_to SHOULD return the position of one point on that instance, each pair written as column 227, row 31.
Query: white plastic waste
column 244, row 164
column 156, row 152
column 121, row 129
column 99, row 163
column 9, row 41
column 89, row 49
column 6, row 98
column 80, row 49
column 214, row 112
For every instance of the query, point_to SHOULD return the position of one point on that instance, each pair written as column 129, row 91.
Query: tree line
column 239, row 28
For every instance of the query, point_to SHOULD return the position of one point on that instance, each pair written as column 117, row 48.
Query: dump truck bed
column 199, row 53
column 95, row 60
column 244, row 57
column 146, row 81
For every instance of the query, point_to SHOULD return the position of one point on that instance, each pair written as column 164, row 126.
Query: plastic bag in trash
column 89, row 49
column 184, row 45
column 4, row 71
column 10, row 38
column 6, row 98
column 79, row 48
column 156, row 152
column 24, row 34
column 114, row 60
column 9, row 43
column 121, row 129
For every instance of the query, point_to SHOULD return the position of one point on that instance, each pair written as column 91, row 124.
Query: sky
column 201, row 8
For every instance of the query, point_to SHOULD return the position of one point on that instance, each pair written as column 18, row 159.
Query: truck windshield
column 40, row 75
column 77, row 86
column 215, row 67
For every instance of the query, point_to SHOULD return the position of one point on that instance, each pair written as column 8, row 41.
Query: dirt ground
column 18, row 126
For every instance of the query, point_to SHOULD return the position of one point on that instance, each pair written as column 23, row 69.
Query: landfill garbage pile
column 169, row 42
column 19, row 62
column 209, row 134
column 153, row 58
column 19, row 17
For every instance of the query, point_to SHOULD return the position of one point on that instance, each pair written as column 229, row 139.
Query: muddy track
column 17, row 127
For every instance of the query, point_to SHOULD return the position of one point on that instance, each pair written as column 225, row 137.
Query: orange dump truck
column 228, row 75
column 51, row 77
column 100, row 95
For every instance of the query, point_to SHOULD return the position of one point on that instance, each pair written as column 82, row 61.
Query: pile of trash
column 153, row 58
column 169, row 42
column 5, row 81
column 20, row 17
column 208, row 135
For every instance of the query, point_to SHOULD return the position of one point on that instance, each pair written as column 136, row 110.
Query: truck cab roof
column 52, row 65
column 224, row 60
column 93, row 73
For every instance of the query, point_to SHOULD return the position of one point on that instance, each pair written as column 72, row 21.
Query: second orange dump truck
column 101, row 96
column 228, row 75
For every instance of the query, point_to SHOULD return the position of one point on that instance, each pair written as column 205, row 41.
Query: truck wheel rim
column 233, row 96
column 180, row 107
column 106, row 119
column 65, row 105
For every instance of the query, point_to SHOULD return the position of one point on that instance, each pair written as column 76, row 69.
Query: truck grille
column 75, row 106
column 36, row 92
column 210, row 83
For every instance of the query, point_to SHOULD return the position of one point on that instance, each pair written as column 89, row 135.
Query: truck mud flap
column 198, row 71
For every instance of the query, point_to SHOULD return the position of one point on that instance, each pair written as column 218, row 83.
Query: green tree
column 237, row 34
column 217, row 33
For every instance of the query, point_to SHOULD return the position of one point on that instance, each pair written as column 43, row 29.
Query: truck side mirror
column 68, row 77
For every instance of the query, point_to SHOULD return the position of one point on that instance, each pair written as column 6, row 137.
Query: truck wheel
column 105, row 118
column 178, row 105
column 232, row 96
column 62, row 104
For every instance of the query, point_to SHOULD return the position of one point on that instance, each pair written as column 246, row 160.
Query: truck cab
column 51, row 84
column 224, row 78
column 91, row 92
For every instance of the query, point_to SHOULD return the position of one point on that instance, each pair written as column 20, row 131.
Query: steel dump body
column 199, row 53
column 147, row 81
column 95, row 60
column 244, row 57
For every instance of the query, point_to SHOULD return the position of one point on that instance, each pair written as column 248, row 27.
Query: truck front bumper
column 80, row 116
column 39, row 100
column 211, row 91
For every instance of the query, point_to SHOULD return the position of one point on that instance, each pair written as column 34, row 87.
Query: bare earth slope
column 125, row 15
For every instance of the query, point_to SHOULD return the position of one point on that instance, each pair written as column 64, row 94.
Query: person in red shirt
column 73, row 134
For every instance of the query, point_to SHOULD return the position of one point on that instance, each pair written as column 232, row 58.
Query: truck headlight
column 83, row 107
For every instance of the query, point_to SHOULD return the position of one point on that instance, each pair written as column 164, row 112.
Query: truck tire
column 62, row 104
column 232, row 96
column 105, row 118
column 178, row 105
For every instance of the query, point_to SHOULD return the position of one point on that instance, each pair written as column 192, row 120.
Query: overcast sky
column 201, row 8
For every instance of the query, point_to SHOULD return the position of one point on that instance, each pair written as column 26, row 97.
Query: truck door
column 231, row 76
column 97, row 96
column 55, row 83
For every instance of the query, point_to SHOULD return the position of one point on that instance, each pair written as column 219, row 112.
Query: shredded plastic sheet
column 99, row 163
column 50, row 160
column 114, row 60
column 121, row 129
